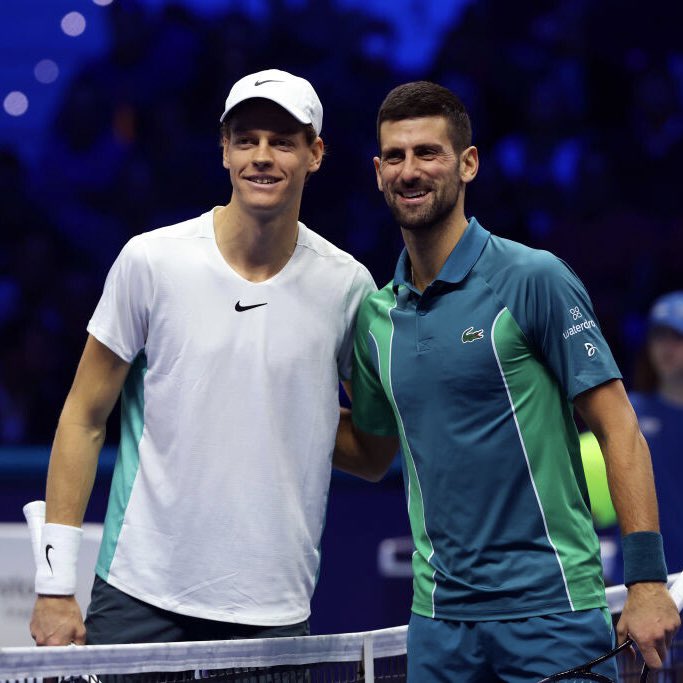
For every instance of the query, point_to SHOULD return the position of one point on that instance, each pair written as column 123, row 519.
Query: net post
column 368, row 659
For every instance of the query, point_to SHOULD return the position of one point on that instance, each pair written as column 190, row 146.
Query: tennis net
column 339, row 658
column 363, row 657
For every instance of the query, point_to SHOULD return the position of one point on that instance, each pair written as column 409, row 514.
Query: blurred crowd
column 577, row 111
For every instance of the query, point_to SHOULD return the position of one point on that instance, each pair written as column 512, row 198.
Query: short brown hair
column 424, row 98
column 308, row 130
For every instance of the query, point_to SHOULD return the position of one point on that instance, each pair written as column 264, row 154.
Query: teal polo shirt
column 476, row 376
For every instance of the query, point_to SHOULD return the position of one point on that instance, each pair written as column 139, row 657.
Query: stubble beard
column 425, row 217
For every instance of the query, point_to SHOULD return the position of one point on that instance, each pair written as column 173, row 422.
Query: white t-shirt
column 229, row 415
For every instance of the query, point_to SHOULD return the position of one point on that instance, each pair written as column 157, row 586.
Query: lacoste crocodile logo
column 470, row 335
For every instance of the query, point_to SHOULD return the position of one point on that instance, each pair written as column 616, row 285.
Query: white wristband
column 35, row 518
column 56, row 572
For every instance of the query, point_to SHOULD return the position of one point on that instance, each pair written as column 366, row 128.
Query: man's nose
column 263, row 154
column 410, row 170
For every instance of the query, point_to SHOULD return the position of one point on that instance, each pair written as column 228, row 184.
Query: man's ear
column 376, row 162
column 469, row 164
column 317, row 153
column 225, row 143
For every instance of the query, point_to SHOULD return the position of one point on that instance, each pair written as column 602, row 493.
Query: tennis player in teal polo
column 471, row 360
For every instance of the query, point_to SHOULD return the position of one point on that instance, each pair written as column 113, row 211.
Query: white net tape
column 28, row 662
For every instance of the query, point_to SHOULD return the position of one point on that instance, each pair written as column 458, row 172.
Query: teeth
column 412, row 195
column 264, row 181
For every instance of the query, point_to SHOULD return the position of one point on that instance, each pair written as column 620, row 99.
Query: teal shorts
column 514, row 651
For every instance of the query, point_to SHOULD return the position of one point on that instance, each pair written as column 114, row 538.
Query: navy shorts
column 514, row 651
column 115, row 617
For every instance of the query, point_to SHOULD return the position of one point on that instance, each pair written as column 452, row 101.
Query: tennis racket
column 584, row 671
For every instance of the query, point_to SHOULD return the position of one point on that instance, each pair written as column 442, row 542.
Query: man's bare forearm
column 81, row 431
column 609, row 414
column 71, row 474
column 631, row 482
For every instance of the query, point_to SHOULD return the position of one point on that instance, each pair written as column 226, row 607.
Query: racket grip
column 35, row 518
column 676, row 591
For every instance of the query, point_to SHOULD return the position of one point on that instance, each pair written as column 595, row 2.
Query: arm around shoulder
column 364, row 455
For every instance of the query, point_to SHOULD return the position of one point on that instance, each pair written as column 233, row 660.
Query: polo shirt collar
column 459, row 262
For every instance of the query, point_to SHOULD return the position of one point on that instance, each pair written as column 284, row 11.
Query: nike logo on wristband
column 239, row 308
column 48, row 548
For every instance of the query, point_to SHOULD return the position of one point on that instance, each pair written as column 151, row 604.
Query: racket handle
column 35, row 518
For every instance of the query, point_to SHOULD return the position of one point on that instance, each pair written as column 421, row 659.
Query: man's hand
column 651, row 618
column 57, row 620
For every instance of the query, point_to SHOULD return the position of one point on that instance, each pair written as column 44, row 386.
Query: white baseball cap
column 292, row 93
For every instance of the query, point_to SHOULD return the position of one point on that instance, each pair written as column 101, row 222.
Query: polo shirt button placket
column 422, row 309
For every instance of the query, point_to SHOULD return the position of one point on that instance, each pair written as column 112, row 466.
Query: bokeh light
column 46, row 71
column 16, row 103
column 73, row 24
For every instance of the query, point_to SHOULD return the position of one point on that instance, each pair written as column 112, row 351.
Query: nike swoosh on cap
column 268, row 80
column 239, row 308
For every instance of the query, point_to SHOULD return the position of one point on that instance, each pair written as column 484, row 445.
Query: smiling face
column 269, row 157
column 420, row 173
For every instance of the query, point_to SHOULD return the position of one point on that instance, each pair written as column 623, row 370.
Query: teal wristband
column 643, row 557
